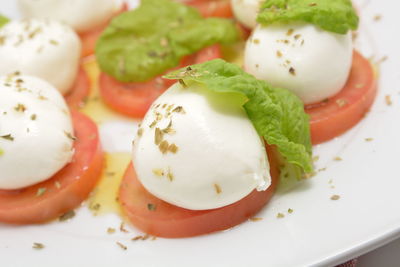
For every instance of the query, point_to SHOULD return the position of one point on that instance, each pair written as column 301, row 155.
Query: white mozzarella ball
column 36, row 133
column 198, row 151
column 246, row 11
column 312, row 63
column 82, row 15
column 42, row 48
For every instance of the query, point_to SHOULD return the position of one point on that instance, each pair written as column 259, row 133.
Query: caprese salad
column 190, row 165
column 50, row 159
column 208, row 153
column 199, row 155
column 306, row 46
column 140, row 45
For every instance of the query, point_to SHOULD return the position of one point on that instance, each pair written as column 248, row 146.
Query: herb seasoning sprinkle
column 37, row 245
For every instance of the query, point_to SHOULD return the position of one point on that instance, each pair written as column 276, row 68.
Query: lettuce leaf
column 143, row 43
column 277, row 114
column 3, row 20
column 336, row 16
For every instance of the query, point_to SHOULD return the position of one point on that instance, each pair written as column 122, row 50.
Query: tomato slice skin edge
column 170, row 221
column 89, row 38
column 134, row 99
column 80, row 90
column 66, row 189
column 343, row 111
column 212, row 8
column 131, row 99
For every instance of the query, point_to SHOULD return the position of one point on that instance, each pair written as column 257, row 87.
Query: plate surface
column 319, row 232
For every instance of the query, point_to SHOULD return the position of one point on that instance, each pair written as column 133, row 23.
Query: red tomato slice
column 338, row 114
column 89, row 38
column 213, row 8
column 65, row 190
column 167, row 220
column 80, row 90
column 134, row 99
column 244, row 32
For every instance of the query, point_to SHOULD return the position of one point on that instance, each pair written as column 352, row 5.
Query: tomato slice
column 134, row 99
column 244, row 32
column 167, row 220
column 66, row 189
column 336, row 115
column 89, row 38
column 213, row 8
column 80, row 90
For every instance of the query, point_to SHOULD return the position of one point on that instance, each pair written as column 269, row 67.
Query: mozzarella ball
column 246, row 11
column 197, row 150
column 42, row 48
column 312, row 63
column 36, row 134
column 82, row 15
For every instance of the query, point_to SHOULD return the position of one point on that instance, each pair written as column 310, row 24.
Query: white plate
column 320, row 231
